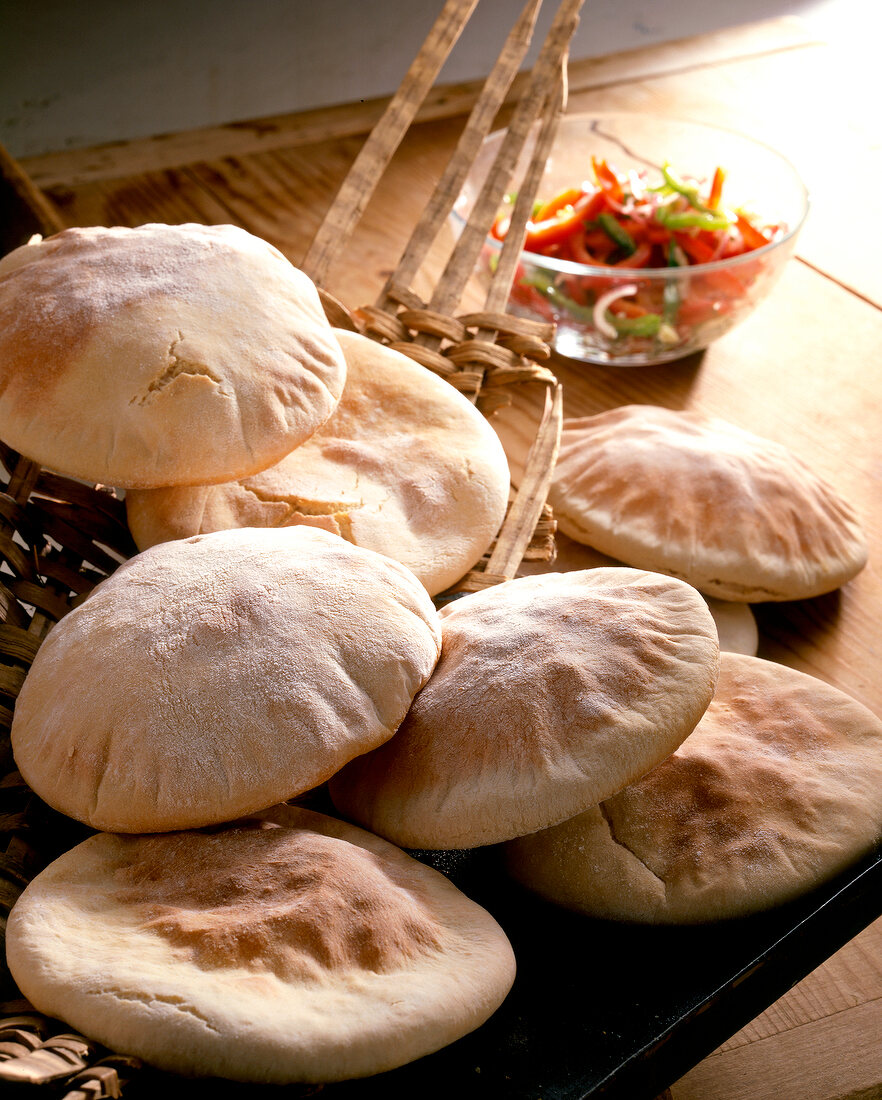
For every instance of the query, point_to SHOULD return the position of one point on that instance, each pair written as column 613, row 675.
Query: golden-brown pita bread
column 406, row 466
column 162, row 355
column 292, row 948
column 778, row 788
column 550, row 690
column 213, row 676
column 739, row 517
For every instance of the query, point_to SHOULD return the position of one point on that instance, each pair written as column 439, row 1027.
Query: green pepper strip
column 689, row 219
column 616, row 233
column 646, row 325
column 689, row 192
column 671, row 292
column 544, row 284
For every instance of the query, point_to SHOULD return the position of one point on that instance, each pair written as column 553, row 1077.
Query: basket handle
column 384, row 139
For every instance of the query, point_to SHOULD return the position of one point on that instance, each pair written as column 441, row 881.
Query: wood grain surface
column 804, row 370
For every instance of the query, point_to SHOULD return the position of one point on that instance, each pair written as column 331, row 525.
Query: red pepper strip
column 695, row 310
column 559, row 226
column 711, row 237
column 579, row 250
column 566, row 198
column 657, row 234
column 608, row 180
column 574, row 288
column 500, row 226
column 716, row 191
column 625, row 307
column 526, row 295
column 751, row 235
column 636, row 228
column 696, row 249
column 725, row 283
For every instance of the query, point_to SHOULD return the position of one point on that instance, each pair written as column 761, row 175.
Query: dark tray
column 602, row 1009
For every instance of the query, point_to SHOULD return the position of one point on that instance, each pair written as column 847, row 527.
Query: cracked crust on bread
column 405, row 465
column 161, row 355
column 777, row 789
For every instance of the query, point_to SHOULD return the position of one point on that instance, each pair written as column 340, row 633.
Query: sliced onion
column 602, row 304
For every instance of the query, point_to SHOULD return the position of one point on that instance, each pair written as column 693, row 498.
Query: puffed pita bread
column 739, row 517
column 293, row 948
column 406, row 466
column 161, row 355
column 214, row 676
column 736, row 625
column 778, row 788
column 550, row 690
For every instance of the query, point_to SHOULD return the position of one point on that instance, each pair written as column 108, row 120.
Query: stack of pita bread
column 777, row 787
column 277, row 633
column 280, row 473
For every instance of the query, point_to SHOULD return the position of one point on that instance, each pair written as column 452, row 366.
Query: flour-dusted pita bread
column 738, row 516
column 735, row 622
column 549, row 691
column 406, row 466
column 293, row 948
column 162, row 355
column 213, row 676
column 778, row 788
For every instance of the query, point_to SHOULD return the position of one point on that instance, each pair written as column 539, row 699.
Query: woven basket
column 60, row 537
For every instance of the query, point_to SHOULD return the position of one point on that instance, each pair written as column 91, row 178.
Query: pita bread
column 739, row 517
column 550, row 690
column 162, row 355
column 778, row 788
column 406, row 466
column 293, row 948
column 736, row 625
column 213, row 676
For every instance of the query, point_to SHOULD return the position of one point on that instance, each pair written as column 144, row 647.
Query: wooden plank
column 851, row 977
column 820, row 1040
column 173, row 196
column 75, row 166
column 282, row 196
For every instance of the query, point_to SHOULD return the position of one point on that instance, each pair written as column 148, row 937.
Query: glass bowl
column 689, row 305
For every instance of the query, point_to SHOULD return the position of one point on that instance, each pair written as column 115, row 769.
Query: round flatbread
column 292, row 948
column 213, row 676
column 549, row 691
column 162, row 355
column 406, row 466
column 739, row 517
column 778, row 788
column 736, row 623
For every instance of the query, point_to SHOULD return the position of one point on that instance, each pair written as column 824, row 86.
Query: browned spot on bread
column 289, row 901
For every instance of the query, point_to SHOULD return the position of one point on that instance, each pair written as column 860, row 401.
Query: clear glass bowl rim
column 627, row 274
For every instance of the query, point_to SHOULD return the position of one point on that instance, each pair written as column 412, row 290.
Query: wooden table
column 803, row 370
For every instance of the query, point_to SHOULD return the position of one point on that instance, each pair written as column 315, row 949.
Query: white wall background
column 76, row 73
